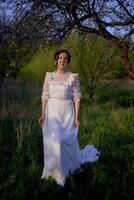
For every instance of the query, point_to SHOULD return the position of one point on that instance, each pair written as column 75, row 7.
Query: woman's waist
column 61, row 98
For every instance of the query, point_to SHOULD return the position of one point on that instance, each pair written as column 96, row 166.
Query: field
column 108, row 124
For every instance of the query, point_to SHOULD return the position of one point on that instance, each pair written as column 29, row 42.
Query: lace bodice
column 69, row 88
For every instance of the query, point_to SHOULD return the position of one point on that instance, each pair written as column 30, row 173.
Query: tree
column 53, row 19
column 13, row 53
column 94, row 60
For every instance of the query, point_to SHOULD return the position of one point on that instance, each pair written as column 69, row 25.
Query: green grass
column 109, row 125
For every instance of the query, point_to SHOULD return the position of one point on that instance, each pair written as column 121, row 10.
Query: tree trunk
column 125, row 59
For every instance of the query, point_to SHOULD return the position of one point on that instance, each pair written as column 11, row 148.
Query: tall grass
column 108, row 126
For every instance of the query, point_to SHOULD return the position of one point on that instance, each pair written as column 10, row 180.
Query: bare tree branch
column 115, row 23
column 125, row 9
column 128, row 34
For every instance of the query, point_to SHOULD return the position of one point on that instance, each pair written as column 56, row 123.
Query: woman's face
column 62, row 61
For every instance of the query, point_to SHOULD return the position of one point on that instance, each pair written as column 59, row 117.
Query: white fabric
column 62, row 155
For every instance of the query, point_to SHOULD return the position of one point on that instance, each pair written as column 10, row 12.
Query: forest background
column 99, row 36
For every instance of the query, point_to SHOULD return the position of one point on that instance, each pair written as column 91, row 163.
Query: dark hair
column 57, row 53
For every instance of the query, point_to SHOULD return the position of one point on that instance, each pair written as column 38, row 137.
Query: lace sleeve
column 76, row 88
column 45, row 91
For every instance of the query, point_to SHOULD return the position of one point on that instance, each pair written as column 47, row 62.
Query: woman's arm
column 44, row 103
column 76, row 99
column 44, row 98
column 76, row 111
column 42, row 117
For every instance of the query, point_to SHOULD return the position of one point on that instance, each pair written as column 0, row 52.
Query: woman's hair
column 57, row 53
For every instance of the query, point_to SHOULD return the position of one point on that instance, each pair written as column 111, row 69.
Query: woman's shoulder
column 75, row 77
column 74, row 74
column 49, row 74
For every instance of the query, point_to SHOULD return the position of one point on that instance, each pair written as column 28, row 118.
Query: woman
column 60, row 121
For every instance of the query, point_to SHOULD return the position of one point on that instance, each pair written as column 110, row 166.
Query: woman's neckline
column 65, row 72
column 65, row 81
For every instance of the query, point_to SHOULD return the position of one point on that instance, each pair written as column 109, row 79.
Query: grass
column 109, row 126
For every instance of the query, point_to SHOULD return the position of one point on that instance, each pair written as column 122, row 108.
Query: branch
column 24, row 17
column 73, row 8
column 103, row 31
column 93, row 5
column 89, row 30
column 85, row 17
column 128, row 34
column 83, row 8
column 125, row 9
column 20, row 14
column 115, row 23
column 64, row 31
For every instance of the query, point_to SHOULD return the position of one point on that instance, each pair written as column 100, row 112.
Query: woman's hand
column 41, row 119
column 76, row 123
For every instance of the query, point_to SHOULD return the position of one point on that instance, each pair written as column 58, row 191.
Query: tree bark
column 125, row 59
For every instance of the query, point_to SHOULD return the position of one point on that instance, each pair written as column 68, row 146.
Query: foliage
column 91, row 58
column 121, row 94
column 85, row 59
column 12, row 58
column 39, row 64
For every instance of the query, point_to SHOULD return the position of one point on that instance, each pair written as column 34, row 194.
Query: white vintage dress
column 62, row 155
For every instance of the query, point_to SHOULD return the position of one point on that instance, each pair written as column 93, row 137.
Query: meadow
column 108, row 124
